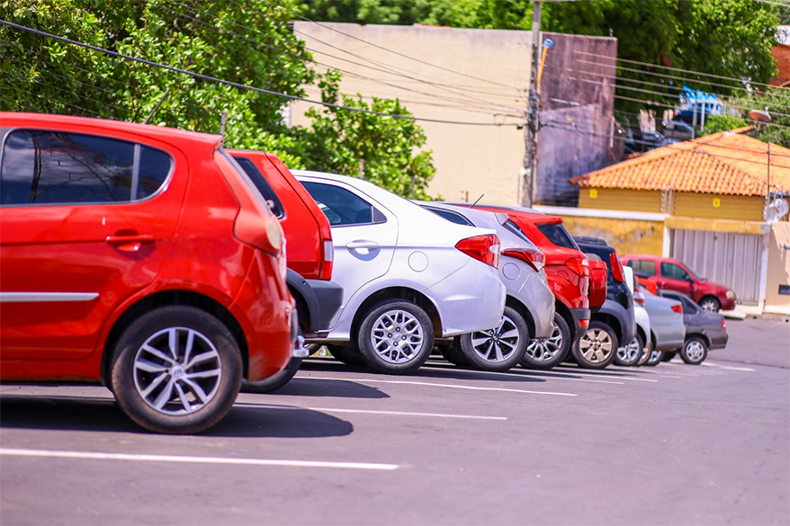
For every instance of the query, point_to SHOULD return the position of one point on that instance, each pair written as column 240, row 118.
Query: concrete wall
column 577, row 114
column 778, row 268
column 469, row 75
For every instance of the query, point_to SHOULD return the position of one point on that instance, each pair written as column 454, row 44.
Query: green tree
column 245, row 42
column 775, row 101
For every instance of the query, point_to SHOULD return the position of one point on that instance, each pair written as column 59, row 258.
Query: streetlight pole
column 531, row 154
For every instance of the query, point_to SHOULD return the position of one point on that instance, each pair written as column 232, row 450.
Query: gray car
column 668, row 330
column 529, row 308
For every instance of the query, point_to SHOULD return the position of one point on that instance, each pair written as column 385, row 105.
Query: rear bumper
column 718, row 340
column 581, row 321
column 318, row 301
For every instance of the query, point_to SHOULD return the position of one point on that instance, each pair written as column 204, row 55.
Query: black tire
column 499, row 348
column 694, row 350
column 346, row 355
column 646, row 352
column 668, row 355
column 452, row 353
column 710, row 304
column 273, row 382
column 148, row 385
column 597, row 347
column 546, row 353
column 630, row 355
column 395, row 337
column 655, row 358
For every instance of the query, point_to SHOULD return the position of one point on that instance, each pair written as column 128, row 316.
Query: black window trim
column 5, row 132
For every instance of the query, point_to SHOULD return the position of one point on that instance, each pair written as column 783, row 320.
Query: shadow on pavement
column 328, row 387
column 94, row 414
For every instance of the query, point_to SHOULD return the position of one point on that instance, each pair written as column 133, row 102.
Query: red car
column 568, row 273
column 671, row 274
column 141, row 258
column 310, row 251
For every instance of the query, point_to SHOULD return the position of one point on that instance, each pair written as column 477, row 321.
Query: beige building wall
column 462, row 75
column 778, row 268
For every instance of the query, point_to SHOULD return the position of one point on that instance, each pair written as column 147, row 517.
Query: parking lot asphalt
column 673, row 444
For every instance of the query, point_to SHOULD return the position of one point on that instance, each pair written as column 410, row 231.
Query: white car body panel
column 416, row 250
column 640, row 313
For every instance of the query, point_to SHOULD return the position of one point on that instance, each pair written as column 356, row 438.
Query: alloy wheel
column 695, row 350
column 544, row 349
column 498, row 344
column 596, row 345
column 397, row 336
column 177, row 371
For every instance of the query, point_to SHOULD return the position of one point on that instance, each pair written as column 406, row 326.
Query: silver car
column 408, row 276
column 666, row 325
column 529, row 310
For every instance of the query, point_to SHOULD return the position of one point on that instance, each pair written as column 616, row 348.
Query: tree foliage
column 775, row 101
column 247, row 42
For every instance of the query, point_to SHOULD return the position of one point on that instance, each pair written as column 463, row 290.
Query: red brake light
column 723, row 323
column 483, row 248
column 327, row 259
column 678, row 308
column 617, row 267
column 535, row 258
column 579, row 265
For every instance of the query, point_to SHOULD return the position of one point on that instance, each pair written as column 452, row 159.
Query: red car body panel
column 598, row 275
column 694, row 287
column 179, row 240
column 305, row 225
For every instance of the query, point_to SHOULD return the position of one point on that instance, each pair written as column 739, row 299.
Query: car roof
column 27, row 120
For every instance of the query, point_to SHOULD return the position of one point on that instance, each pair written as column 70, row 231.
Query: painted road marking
column 727, row 367
column 468, row 387
column 370, row 412
column 195, row 460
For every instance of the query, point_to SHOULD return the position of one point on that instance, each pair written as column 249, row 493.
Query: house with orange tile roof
column 701, row 201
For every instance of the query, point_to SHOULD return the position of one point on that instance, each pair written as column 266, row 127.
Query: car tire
column 668, row 355
column 647, row 352
column 655, row 358
column 597, row 347
column 694, row 350
column 171, row 391
column 546, row 353
column 710, row 304
column 630, row 355
column 499, row 348
column 395, row 337
column 452, row 353
column 273, row 382
column 345, row 355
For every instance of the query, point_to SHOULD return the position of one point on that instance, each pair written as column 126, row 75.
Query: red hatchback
column 671, row 274
column 568, row 273
column 142, row 258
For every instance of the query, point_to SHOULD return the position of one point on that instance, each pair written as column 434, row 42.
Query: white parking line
column 530, row 372
column 363, row 411
column 195, row 460
column 469, row 387
column 727, row 367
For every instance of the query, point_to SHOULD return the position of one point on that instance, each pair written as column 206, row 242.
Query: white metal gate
column 726, row 258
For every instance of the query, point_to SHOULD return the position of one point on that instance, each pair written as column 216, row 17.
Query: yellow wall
column 778, row 268
column 718, row 206
column 628, row 236
column 619, row 199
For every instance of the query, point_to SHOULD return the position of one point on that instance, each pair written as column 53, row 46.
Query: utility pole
column 533, row 124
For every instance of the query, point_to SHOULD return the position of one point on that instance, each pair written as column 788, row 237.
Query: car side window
column 262, row 185
column 343, row 207
column 672, row 271
column 451, row 216
column 50, row 167
column 645, row 267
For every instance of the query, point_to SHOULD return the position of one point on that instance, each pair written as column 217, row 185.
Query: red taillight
column 584, row 323
column 264, row 233
column 723, row 323
column 617, row 267
column 678, row 308
column 327, row 259
column 483, row 248
column 531, row 256
column 579, row 265
column 639, row 296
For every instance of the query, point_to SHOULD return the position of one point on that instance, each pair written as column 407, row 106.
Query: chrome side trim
column 39, row 297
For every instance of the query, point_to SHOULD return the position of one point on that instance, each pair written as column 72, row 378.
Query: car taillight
column 617, row 267
column 678, row 308
column 533, row 257
column 327, row 259
column 483, row 248
column 639, row 296
column 249, row 228
column 579, row 265
column 723, row 323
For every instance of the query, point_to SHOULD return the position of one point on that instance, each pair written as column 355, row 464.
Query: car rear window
column 557, row 234
column 513, row 227
column 50, row 167
column 262, row 185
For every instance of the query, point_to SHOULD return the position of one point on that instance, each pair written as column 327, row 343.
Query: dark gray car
column 704, row 330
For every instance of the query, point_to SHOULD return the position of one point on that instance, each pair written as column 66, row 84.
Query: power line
column 237, row 84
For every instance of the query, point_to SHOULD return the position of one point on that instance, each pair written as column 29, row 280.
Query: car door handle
column 129, row 243
column 362, row 243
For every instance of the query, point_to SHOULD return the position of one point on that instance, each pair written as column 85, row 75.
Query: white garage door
column 730, row 259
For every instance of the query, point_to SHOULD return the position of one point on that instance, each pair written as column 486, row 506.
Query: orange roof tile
column 727, row 163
